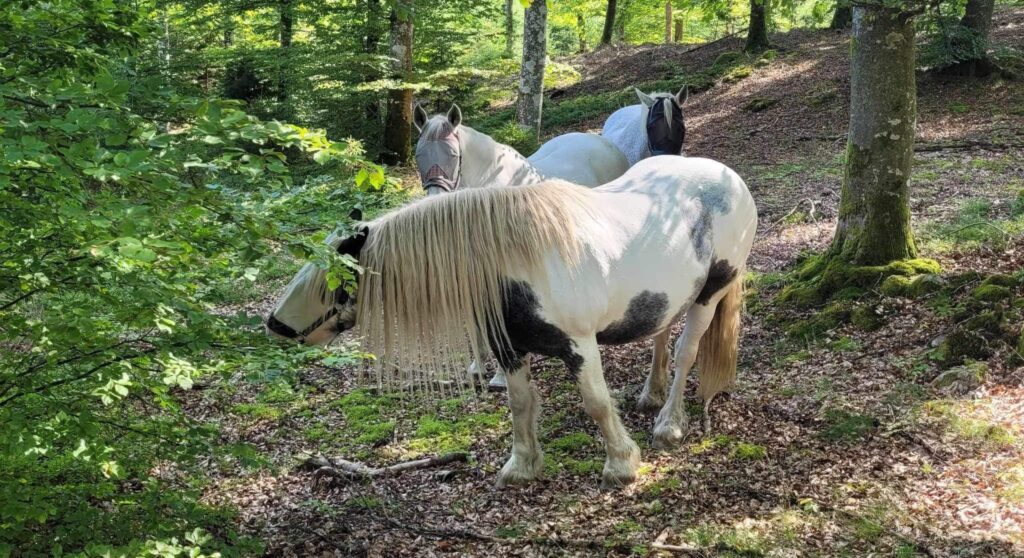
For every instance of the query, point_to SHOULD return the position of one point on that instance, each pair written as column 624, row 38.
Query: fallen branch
column 971, row 144
column 326, row 469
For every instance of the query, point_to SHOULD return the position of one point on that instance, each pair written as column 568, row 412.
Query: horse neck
column 488, row 162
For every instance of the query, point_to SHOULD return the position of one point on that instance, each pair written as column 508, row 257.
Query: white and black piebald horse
column 653, row 127
column 551, row 269
column 451, row 155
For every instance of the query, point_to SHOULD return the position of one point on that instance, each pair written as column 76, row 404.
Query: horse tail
column 716, row 356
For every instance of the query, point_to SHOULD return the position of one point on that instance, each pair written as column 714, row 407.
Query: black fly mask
column 665, row 133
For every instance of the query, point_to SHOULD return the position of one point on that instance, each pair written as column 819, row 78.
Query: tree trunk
column 531, row 77
column 581, row 26
column 286, row 23
column 668, row 21
column 757, row 31
column 371, row 42
column 978, row 19
column 680, row 28
column 874, row 209
column 609, row 23
column 398, row 128
column 229, row 31
column 842, row 17
column 510, row 29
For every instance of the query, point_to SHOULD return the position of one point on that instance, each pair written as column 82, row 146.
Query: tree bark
column 978, row 19
column 668, row 21
column 531, row 77
column 842, row 17
column 371, row 43
column 874, row 208
column 757, row 31
column 398, row 127
column 680, row 28
column 510, row 29
column 285, row 32
column 581, row 26
column 609, row 23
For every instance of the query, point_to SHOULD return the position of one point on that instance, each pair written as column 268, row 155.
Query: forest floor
column 834, row 444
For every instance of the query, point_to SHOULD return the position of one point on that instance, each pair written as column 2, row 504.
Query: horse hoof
column 516, row 472
column 614, row 480
column 668, row 437
column 497, row 383
column 649, row 404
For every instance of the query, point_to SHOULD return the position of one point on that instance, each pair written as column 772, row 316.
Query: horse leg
column 652, row 398
column 527, row 460
column 672, row 423
column 623, row 454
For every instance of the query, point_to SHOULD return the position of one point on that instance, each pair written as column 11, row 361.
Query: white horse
column 654, row 127
column 552, row 269
column 451, row 155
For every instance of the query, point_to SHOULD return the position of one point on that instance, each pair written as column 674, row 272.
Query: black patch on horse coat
column 719, row 276
column 528, row 332
column 645, row 313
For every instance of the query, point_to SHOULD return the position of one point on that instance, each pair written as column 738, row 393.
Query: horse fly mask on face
column 665, row 128
column 439, row 157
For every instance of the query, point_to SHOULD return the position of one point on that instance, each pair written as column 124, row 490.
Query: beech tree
column 609, row 23
column 757, row 31
column 874, row 211
column 531, row 76
column 398, row 126
column 973, row 39
column 842, row 17
column 510, row 29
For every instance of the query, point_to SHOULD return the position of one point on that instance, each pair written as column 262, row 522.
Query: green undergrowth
column 575, row 454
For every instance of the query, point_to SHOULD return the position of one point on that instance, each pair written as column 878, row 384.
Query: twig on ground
column 326, row 469
column 970, row 144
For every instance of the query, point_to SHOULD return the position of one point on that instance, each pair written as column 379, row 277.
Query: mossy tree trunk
column 843, row 16
column 680, row 28
column 609, row 23
column 398, row 126
column 531, row 76
column 757, row 31
column 510, row 28
column 977, row 21
column 874, row 209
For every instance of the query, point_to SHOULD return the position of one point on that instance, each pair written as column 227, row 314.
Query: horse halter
column 437, row 176
column 665, row 137
column 285, row 330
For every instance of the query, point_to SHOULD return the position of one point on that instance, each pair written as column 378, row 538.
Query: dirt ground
column 835, row 446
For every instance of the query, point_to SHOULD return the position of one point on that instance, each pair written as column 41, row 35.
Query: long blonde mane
column 432, row 291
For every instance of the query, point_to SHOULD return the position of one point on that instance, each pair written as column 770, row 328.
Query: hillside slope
column 838, row 440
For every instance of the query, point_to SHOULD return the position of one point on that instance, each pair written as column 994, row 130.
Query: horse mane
column 431, row 292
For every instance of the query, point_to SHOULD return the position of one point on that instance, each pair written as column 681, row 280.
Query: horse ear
column 683, row 94
column 455, row 116
column 419, row 117
column 356, row 214
column 644, row 98
column 353, row 245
